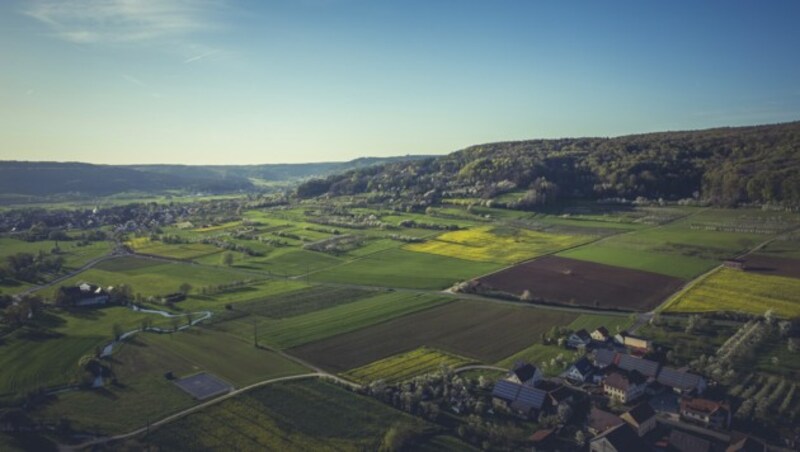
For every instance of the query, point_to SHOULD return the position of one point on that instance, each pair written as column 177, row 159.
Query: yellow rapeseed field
column 405, row 366
column 497, row 244
column 734, row 290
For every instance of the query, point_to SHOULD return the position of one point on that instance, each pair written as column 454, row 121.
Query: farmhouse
column 606, row 357
column 581, row 371
column 525, row 374
column 522, row 399
column 601, row 334
column 83, row 294
column 600, row 421
column 634, row 342
column 706, row 412
column 578, row 339
column 682, row 382
column 641, row 418
column 618, row 439
column 623, row 385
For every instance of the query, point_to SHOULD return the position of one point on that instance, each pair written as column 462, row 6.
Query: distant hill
column 54, row 178
column 278, row 172
column 724, row 166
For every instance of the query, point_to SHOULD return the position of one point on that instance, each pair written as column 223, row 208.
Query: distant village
column 634, row 403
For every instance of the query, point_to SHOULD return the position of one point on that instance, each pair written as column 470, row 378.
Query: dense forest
column 725, row 166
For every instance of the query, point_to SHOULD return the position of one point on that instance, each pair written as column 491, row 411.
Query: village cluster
column 634, row 403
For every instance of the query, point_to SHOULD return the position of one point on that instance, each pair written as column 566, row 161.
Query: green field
column 406, row 365
column 640, row 258
column 737, row 291
column 154, row 277
column 689, row 246
column 289, row 261
column 299, row 415
column 74, row 256
column 503, row 245
column 183, row 251
column 591, row 322
column 401, row 268
column 298, row 302
column 294, row 331
column 142, row 393
column 47, row 352
column 230, row 357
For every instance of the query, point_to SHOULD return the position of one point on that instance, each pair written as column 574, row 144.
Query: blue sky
column 261, row 81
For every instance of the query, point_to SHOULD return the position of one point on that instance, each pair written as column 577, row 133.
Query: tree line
column 725, row 167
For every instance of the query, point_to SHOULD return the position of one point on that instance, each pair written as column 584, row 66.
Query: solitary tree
column 116, row 330
column 227, row 259
column 185, row 288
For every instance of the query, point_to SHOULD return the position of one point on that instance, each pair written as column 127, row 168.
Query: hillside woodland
column 725, row 167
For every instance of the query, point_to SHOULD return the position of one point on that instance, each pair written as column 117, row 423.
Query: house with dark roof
column 646, row 367
column 580, row 371
column 578, row 339
column 606, row 357
column 618, row 439
column 682, row 382
column 642, row 418
column 680, row 441
column 600, row 421
column 525, row 374
column 625, row 386
column 522, row 399
column 747, row 444
column 706, row 412
column 601, row 334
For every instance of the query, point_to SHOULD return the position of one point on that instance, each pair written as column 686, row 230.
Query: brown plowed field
column 484, row 331
column 776, row 266
column 573, row 282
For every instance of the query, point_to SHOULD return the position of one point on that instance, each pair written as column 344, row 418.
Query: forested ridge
column 724, row 166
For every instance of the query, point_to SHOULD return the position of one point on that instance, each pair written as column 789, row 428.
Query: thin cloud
column 134, row 80
column 124, row 21
column 200, row 56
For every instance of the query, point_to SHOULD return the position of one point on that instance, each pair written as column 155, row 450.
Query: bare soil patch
column 560, row 280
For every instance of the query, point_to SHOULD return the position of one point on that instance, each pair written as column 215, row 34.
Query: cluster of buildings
column 636, row 403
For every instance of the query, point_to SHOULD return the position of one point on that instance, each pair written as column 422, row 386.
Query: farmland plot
column 569, row 281
column 299, row 415
column 294, row 331
column 733, row 290
column 406, row 365
column 496, row 244
column 402, row 268
column 459, row 327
